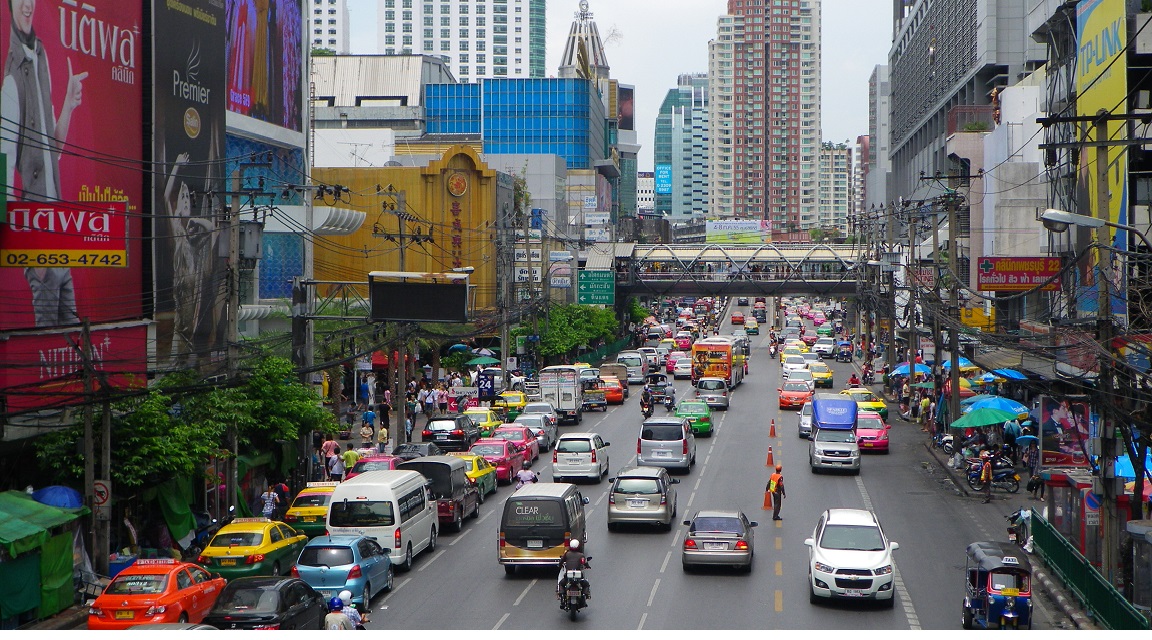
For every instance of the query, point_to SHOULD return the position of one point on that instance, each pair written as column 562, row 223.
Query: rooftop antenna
column 583, row 14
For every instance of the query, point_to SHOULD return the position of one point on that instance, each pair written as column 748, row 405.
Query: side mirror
column 585, row 499
column 894, row 545
column 753, row 524
column 779, row 390
column 688, row 522
column 607, row 444
column 675, row 480
column 809, row 542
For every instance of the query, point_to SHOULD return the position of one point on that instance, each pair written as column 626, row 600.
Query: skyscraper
column 477, row 38
column 329, row 21
column 764, row 70
column 835, row 189
column 682, row 144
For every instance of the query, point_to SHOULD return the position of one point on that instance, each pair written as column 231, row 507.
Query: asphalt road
column 637, row 581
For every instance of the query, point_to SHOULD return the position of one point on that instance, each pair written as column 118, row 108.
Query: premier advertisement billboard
column 737, row 232
column 190, row 97
column 70, row 246
column 265, row 58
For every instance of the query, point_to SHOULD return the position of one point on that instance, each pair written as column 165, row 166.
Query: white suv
column 579, row 455
column 826, row 347
column 850, row 558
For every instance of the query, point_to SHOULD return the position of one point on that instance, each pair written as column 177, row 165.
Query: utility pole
column 233, row 336
column 936, row 298
column 910, row 280
column 954, row 306
column 1109, row 521
column 504, row 251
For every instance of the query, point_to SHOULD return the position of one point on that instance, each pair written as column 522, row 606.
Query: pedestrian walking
column 775, row 486
column 336, row 466
column 367, row 433
column 269, row 500
column 925, row 410
column 986, row 476
column 1011, row 432
column 327, row 450
column 282, row 493
column 442, row 399
column 349, row 458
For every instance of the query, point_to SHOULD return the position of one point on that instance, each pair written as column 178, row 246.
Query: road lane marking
column 485, row 517
column 525, row 592
column 396, row 588
column 690, row 499
column 460, row 537
column 432, row 559
column 779, row 568
column 643, row 618
column 697, row 485
column 779, row 597
column 652, row 596
column 667, row 557
column 676, row 538
column 502, row 619
column 706, row 459
column 897, row 581
column 779, row 524
column 779, row 543
column 601, row 498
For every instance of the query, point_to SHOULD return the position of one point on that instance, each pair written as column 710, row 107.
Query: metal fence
column 599, row 353
column 1104, row 602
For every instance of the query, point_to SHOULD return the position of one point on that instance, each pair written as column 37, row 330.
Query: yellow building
column 438, row 217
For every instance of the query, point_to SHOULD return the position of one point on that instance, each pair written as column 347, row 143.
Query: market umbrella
column 965, row 363
column 1010, row 374
column 976, row 398
column 902, row 370
column 1129, row 487
column 1124, row 466
column 990, row 377
column 924, row 385
column 1001, row 403
column 844, row 343
column 1024, row 441
column 67, row 497
column 983, row 418
column 482, row 351
column 456, row 348
column 482, row 360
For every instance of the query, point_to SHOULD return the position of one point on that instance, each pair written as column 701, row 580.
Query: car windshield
column 238, row 539
column 629, row 361
column 806, row 410
column 361, row 513
column 800, row 375
column 870, row 423
column 1001, row 581
column 819, row 368
column 693, row 407
column 537, row 407
column 442, row 425
column 247, row 600
column 713, row 524
column 326, row 556
column 574, row 445
column 138, row 585
column 531, row 421
column 533, row 513
column 834, row 435
column 487, row 450
column 439, row 475
column 636, row 485
column 863, row 396
column 711, row 385
column 662, row 432
column 795, row 386
column 317, row 499
column 852, row 538
column 368, row 465
column 504, row 434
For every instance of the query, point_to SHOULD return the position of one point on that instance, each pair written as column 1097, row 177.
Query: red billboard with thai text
column 1017, row 274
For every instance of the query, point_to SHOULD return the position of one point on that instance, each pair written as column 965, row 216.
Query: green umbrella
column 983, row 417
column 924, row 385
column 482, row 360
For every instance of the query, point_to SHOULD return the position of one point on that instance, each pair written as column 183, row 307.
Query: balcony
column 970, row 118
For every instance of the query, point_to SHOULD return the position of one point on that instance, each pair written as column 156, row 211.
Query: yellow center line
column 779, row 568
column 779, row 601
column 779, row 543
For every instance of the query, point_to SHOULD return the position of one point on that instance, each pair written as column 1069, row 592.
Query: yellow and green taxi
column 699, row 414
column 515, row 402
column 751, row 327
column 484, row 418
column 821, row 374
column 867, row 401
column 310, row 508
column 479, row 471
column 252, row 547
column 798, row 343
column 790, row 351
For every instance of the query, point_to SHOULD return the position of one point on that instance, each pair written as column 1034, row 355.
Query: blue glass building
column 561, row 116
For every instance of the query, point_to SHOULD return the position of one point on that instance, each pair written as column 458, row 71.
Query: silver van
column 666, row 442
column 636, row 363
column 714, row 391
column 579, row 455
column 642, row 495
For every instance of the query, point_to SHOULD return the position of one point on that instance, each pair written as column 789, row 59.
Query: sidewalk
column 74, row 617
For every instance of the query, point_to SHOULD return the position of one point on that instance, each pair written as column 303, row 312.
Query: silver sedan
column 718, row 538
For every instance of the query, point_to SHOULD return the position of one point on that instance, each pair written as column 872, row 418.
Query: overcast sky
column 650, row 42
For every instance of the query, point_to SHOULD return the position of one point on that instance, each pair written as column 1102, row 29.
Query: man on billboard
column 34, row 153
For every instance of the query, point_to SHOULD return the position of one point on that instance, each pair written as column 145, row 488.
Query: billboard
column 737, row 232
column 663, row 179
column 1065, row 430
column 1102, row 83
column 626, row 107
column 190, row 96
column 265, row 60
column 1017, row 274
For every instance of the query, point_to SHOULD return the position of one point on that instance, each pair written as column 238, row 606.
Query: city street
column 637, row 581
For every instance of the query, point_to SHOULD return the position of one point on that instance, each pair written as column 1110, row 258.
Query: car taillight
column 451, row 506
column 202, row 560
column 397, row 539
column 457, row 432
column 267, row 627
column 593, row 455
column 354, row 572
column 611, row 498
column 637, row 446
column 500, row 541
column 254, row 558
column 689, row 544
column 663, row 499
column 425, row 433
column 741, row 545
column 295, row 572
column 685, row 446
column 289, row 517
column 95, row 611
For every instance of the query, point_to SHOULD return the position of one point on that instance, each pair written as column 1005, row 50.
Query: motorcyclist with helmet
column 646, row 401
column 526, row 476
column 573, row 560
column 337, row 620
column 349, row 610
column 854, row 381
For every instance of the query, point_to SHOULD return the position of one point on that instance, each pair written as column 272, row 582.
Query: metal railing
column 1104, row 602
column 603, row 351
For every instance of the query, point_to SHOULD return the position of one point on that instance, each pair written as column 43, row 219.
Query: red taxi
column 810, row 338
column 613, row 391
column 793, row 394
column 502, row 454
column 373, row 463
column 871, row 432
column 670, row 364
column 155, row 590
column 522, row 437
column 737, row 318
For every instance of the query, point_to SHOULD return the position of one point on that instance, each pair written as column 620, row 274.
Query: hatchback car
column 502, row 454
column 666, row 442
column 268, row 603
column 794, row 394
column 252, row 547
column 155, row 591
column 871, row 432
column 642, row 495
column 804, row 421
column 543, row 407
column 545, row 432
column 331, row 564
column 718, row 538
column 522, row 437
column 683, row 368
column 452, row 433
column 410, row 450
column 480, row 472
column 580, row 455
column 714, row 391
column 742, row 301
column 849, row 557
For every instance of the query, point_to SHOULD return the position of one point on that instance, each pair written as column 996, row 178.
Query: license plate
column 574, row 460
column 1017, row 477
column 125, row 615
column 715, row 546
column 854, row 593
column 441, row 436
column 867, row 444
column 663, row 454
column 573, row 593
column 535, row 544
column 326, row 593
column 309, row 519
column 230, row 562
column 1011, row 537
column 638, row 503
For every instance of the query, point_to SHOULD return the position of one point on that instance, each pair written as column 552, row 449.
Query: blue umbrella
column 1124, row 466
column 964, row 362
column 58, row 496
column 977, row 398
column 902, row 370
column 843, row 343
column 1001, row 403
column 457, row 348
column 1010, row 374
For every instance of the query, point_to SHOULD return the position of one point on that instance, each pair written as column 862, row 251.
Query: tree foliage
column 570, row 326
column 636, row 311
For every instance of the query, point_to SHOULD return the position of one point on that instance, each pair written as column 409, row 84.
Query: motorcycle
column 944, row 441
column 1019, row 528
column 1004, row 477
column 646, row 409
column 669, row 403
column 869, row 377
column 772, row 349
column 527, row 478
column 573, row 592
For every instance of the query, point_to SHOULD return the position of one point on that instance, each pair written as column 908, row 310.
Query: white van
column 395, row 507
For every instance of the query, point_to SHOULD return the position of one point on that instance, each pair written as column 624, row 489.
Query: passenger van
column 636, row 363
column 457, row 497
column 538, row 522
column 395, row 507
column 833, row 441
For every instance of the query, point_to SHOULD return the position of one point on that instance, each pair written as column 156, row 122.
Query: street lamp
column 1057, row 221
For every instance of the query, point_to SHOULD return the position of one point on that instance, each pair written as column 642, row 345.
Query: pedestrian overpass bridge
column 729, row 270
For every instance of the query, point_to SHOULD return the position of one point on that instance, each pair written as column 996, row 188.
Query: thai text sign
column 1017, row 274
column 66, row 235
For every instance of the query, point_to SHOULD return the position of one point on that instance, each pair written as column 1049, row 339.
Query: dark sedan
column 268, row 603
column 412, row 450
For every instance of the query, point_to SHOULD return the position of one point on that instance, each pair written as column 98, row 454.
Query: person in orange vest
column 776, row 488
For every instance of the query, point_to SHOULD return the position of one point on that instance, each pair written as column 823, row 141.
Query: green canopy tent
column 35, row 580
column 983, row 417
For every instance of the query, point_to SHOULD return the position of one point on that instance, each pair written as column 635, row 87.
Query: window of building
column 463, row 45
column 463, row 21
column 463, row 33
column 480, row 9
column 331, row 32
column 428, row 33
column 464, row 57
column 331, row 22
column 407, row 27
column 500, row 71
column 389, row 15
column 481, row 45
column 464, row 71
column 389, row 4
column 445, row 9
column 481, row 33
column 445, row 22
column 407, row 15
column 480, row 57
column 318, row 32
column 390, row 28
column 318, row 12
column 407, row 4
column 429, row 45
column 481, row 22
column 445, row 34
column 408, row 41
column 332, row 41
column 481, row 70
column 463, row 8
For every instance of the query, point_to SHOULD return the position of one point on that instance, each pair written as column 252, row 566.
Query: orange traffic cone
column 770, row 462
column 772, row 432
column 767, row 500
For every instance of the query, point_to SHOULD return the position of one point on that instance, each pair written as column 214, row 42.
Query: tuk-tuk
column 594, row 397
column 998, row 587
column 657, row 383
column 844, row 351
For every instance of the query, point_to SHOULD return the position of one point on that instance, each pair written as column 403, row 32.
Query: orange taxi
column 793, row 394
column 613, row 391
column 155, row 590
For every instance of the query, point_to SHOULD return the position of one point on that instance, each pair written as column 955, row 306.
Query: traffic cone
column 772, row 432
column 767, row 500
column 770, row 462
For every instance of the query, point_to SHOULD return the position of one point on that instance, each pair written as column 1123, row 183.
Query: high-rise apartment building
column 835, row 189
column 329, row 22
column 860, row 175
column 681, row 143
column 477, row 38
column 645, row 194
column 764, row 68
column 878, row 160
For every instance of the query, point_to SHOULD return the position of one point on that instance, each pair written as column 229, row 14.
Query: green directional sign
column 595, row 287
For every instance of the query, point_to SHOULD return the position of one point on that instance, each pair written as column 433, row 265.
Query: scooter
column 944, row 441
column 1019, row 528
column 1005, row 478
column 772, row 349
column 646, row 409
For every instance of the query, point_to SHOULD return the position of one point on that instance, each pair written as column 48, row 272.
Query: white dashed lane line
column 524, row 593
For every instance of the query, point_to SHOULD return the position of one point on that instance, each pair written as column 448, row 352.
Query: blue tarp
column 830, row 413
